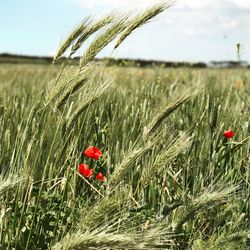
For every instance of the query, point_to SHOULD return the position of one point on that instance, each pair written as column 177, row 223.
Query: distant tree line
column 152, row 63
column 10, row 58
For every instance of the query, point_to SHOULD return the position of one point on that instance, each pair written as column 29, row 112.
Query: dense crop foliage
column 199, row 197
column 170, row 149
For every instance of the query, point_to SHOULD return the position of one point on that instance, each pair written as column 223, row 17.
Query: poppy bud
column 100, row 177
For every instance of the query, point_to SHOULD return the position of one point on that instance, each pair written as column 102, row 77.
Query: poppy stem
column 91, row 185
column 134, row 200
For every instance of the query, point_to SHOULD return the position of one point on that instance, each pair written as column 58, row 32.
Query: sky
column 190, row 30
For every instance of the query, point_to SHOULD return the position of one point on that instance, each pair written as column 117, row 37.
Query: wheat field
column 173, row 179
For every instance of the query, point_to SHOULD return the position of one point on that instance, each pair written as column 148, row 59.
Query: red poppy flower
column 100, row 177
column 93, row 152
column 229, row 134
column 85, row 171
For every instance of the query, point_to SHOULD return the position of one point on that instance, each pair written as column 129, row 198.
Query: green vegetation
column 173, row 180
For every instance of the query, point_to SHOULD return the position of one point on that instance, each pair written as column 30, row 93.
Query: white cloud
column 244, row 4
column 188, row 4
column 190, row 29
column 211, row 4
column 115, row 4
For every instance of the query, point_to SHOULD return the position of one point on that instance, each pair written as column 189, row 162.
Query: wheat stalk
column 123, row 168
column 71, row 38
column 203, row 202
column 89, row 98
column 142, row 19
column 9, row 182
column 91, row 29
column 237, row 240
column 106, row 241
column 102, row 40
column 74, row 85
column 67, row 84
column 108, row 236
column 183, row 97
column 176, row 147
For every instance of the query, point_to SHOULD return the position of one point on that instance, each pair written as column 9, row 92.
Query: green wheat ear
column 91, row 29
column 92, row 94
column 72, row 37
column 182, row 98
column 142, row 19
column 102, row 40
column 117, row 26
column 10, row 181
